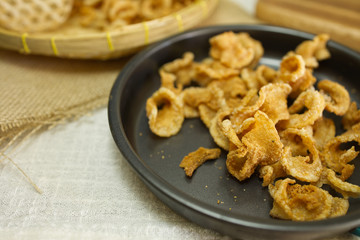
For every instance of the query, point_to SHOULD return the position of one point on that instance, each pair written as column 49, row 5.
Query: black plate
column 212, row 198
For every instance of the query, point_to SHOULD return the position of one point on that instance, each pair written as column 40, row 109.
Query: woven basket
column 106, row 45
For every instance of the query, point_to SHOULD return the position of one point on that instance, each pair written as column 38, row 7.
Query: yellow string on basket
column 204, row 7
column 53, row 46
column 109, row 41
column 146, row 32
column 179, row 22
column 24, row 43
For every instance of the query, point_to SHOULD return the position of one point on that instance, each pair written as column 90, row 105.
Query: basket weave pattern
column 34, row 15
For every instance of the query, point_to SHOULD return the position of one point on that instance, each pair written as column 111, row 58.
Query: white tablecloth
column 89, row 190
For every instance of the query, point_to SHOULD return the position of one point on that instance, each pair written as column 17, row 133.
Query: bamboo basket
column 106, row 45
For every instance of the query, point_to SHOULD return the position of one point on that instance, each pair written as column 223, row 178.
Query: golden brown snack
column 304, row 167
column 262, row 146
column 195, row 159
column 235, row 50
column 165, row 112
column 304, row 202
column 247, row 113
column 314, row 50
column 336, row 97
column 315, row 105
column 323, row 131
column 351, row 117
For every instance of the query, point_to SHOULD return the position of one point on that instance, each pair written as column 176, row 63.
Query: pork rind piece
column 120, row 13
column 302, row 84
column 345, row 188
column 151, row 9
column 233, row 87
column 351, row 117
column 209, row 70
column 305, row 167
column 168, row 80
column 261, row 146
column 194, row 96
column 242, row 113
column 336, row 97
column 313, row 102
column 293, row 71
column 337, row 158
column 270, row 173
column 292, row 68
column 275, row 93
column 323, row 131
column 304, row 202
column 229, row 132
column 235, row 50
column 195, row 159
column 183, row 68
column 165, row 112
column 211, row 96
column 206, row 114
column 314, row 50
column 251, row 104
column 265, row 74
column 216, row 129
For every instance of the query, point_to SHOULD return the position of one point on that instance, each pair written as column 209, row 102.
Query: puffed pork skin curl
column 165, row 112
column 304, row 202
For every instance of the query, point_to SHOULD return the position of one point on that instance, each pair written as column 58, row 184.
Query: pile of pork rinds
column 114, row 14
column 97, row 15
column 269, row 121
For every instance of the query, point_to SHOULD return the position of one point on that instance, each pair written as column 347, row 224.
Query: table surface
column 89, row 190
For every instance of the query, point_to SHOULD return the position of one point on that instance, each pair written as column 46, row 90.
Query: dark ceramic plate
column 212, row 198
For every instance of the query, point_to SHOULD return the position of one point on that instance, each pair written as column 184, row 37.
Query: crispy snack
column 262, row 146
column 195, row 159
column 314, row 103
column 250, row 104
column 246, row 109
column 345, row 188
column 121, row 12
column 106, row 15
column 276, row 92
column 323, row 131
column 351, row 117
column 235, row 50
column 336, row 97
column 292, row 68
column 337, row 158
column 256, row 78
column 304, row 202
column 216, row 129
column 271, row 172
column 206, row 114
column 233, row 87
column 168, row 80
column 151, row 9
column 302, row 84
column 229, row 132
column 306, row 168
column 314, row 50
column 165, row 112
column 210, row 70
column 183, row 68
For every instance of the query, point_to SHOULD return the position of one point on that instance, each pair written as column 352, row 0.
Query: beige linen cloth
column 82, row 198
